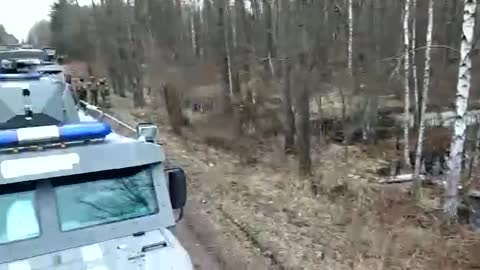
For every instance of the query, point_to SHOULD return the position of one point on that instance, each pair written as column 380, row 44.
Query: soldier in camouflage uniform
column 93, row 89
column 105, row 92
column 82, row 90
column 71, row 87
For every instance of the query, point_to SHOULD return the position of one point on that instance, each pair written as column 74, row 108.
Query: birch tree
column 463, row 87
column 406, row 124
column 350, row 37
column 414, row 62
column 426, row 86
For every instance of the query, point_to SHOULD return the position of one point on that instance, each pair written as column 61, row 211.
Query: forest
column 326, row 85
column 6, row 38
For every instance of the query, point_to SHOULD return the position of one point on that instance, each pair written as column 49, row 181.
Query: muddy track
column 213, row 241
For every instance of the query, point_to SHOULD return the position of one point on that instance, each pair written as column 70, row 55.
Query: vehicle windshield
column 104, row 197
column 18, row 219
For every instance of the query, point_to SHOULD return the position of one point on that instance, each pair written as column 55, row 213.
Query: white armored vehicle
column 76, row 195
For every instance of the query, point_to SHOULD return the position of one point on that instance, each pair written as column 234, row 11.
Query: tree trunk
column 414, row 64
column 271, row 53
column 303, row 98
column 173, row 105
column 193, row 33
column 451, row 23
column 289, row 116
column 138, row 96
column 426, row 86
column 247, row 34
column 305, row 163
column 283, row 27
column 406, row 125
column 350, row 37
column 197, row 26
column 463, row 87
column 224, row 49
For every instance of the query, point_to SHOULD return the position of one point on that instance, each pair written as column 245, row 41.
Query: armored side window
column 18, row 218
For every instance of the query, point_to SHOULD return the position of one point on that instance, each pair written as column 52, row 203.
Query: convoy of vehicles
column 73, row 193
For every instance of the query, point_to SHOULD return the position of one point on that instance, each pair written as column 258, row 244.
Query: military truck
column 76, row 195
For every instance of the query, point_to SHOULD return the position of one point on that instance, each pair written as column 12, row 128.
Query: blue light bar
column 19, row 76
column 8, row 138
column 84, row 131
column 52, row 134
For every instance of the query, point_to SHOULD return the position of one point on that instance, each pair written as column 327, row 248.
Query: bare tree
column 414, row 62
column 289, row 126
column 270, row 49
column 423, row 108
column 225, row 55
column 310, row 47
column 463, row 88
column 350, row 36
column 406, row 82
column 303, row 96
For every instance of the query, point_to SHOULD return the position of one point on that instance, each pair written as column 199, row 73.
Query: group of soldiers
column 91, row 90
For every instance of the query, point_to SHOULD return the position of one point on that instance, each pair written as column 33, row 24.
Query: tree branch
column 263, row 59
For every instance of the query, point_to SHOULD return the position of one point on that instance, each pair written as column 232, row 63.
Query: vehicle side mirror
column 177, row 187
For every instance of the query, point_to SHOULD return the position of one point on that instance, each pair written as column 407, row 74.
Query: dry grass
column 351, row 223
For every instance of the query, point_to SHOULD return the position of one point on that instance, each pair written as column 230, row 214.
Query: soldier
column 71, row 87
column 105, row 92
column 93, row 89
column 82, row 90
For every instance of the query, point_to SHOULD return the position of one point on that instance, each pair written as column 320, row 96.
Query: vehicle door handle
column 161, row 244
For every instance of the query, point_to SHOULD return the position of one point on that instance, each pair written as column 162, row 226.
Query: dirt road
column 212, row 242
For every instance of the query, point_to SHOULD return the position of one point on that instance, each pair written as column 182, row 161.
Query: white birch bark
column 414, row 63
column 233, row 20
column 406, row 124
column 463, row 87
column 192, row 30
column 426, row 85
column 350, row 37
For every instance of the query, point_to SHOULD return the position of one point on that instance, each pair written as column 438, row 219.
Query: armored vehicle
column 76, row 195
column 53, row 71
column 52, row 53
column 13, row 46
column 29, row 55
